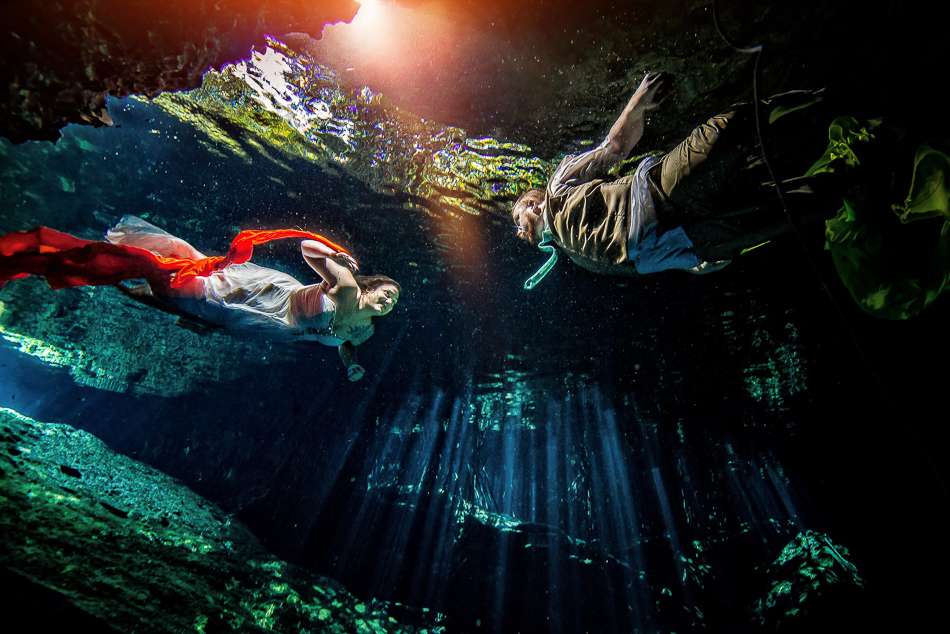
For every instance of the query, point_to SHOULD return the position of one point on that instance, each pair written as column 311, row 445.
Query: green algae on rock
column 281, row 104
column 811, row 573
column 110, row 343
column 141, row 551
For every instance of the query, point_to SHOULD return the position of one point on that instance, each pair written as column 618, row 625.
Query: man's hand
column 653, row 90
column 628, row 129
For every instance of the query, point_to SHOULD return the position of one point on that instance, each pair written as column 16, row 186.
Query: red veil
column 65, row 260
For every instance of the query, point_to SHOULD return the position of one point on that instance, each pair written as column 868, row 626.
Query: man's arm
column 628, row 129
column 624, row 135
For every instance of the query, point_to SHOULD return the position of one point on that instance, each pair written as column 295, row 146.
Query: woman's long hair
column 372, row 282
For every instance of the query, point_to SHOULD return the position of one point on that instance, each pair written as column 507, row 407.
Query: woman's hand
column 345, row 259
column 335, row 267
column 355, row 372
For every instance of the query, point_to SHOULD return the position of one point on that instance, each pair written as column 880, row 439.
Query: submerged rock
column 144, row 553
column 282, row 105
column 110, row 343
column 813, row 578
column 62, row 59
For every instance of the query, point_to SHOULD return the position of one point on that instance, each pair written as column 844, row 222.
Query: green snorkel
column 547, row 244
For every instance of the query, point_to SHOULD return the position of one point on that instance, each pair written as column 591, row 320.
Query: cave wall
column 62, row 59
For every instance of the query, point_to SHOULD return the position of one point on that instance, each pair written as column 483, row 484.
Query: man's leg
column 690, row 155
column 716, row 185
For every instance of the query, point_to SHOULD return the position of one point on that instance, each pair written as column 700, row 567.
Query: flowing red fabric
column 65, row 260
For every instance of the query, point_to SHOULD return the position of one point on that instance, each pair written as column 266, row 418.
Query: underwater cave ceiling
column 62, row 61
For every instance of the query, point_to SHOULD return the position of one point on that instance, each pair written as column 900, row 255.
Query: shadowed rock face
column 62, row 59
column 142, row 552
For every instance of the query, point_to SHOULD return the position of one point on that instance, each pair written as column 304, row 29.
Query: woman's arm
column 333, row 266
column 354, row 371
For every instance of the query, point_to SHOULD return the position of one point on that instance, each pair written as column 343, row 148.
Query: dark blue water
column 599, row 455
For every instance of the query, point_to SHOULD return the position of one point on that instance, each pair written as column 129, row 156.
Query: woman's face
column 382, row 298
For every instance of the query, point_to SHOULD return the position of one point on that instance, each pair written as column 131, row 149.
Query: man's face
column 527, row 217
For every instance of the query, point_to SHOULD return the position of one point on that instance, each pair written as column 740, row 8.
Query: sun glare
column 369, row 16
column 368, row 6
column 399, row 51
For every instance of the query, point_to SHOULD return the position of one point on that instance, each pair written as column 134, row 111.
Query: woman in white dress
column 338, row 311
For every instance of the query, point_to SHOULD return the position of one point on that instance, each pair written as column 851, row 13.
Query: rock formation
column 144, row 553
column 62, row 59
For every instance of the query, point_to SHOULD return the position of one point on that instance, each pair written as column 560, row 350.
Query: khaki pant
column 715, row 184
